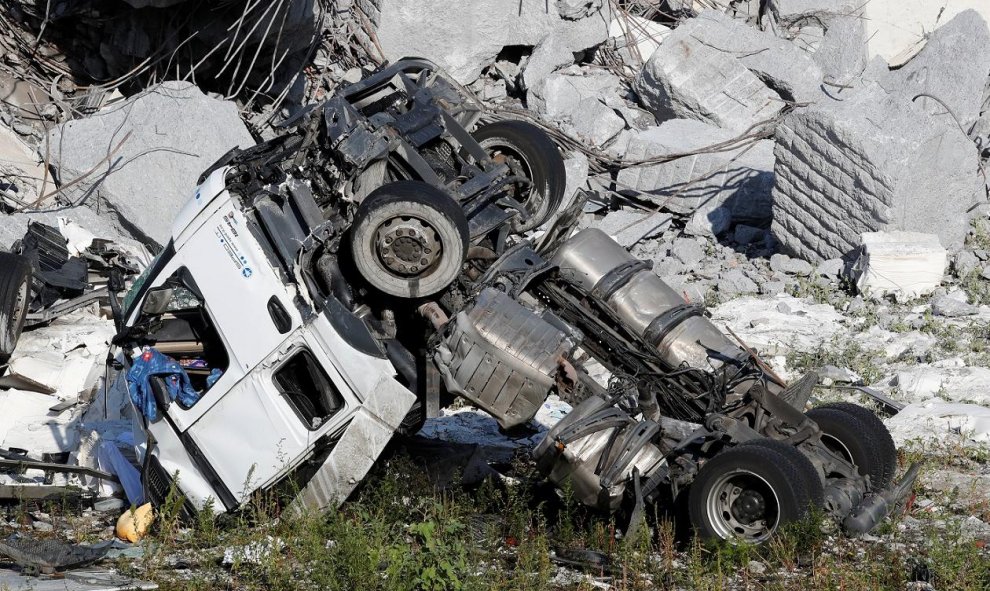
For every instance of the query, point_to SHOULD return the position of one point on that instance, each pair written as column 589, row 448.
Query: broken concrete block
column 21, row 171
column 595, row 123
column 965, row 262
column 688, row 79
column 789, row 10
column 627, row 227
column 779, row 63
column 786, row 264
column 956, row 383
column 636, row 38
column 954, row 305
column 953, row 66
column 548, row 56
column 897, row 29
column 709, row 223
column 872, row 162
column 465, row 37
column 903, row 264
column 741, row 180
column 575, row 99
column 772, row 288
column 174, row 132
column 832, row 268
column 688, row 251
column 801, row 325
column 560, row 95
column 734, row 282
column 667, row 267
column 936, row 421
column 843, row 52
column 576, row 167
column 578, row 9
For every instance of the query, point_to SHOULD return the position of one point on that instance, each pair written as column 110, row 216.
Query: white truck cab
column 292, row 394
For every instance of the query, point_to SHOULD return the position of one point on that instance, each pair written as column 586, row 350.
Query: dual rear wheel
column 746, row 493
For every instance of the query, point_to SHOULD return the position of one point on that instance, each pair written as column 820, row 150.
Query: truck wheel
column 859, row 436
column 15, row 293
column 409, row 239
column 747, row 492
column 524, row 145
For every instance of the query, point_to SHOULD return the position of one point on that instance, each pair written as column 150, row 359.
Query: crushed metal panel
column 355, row 452
column 48, row 556
column 503, row 357
column 80, row 580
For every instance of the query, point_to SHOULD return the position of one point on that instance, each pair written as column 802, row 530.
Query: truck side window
column 177, row 324
column 308, row 388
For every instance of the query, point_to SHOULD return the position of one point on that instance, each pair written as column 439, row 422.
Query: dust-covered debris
column 137, row 161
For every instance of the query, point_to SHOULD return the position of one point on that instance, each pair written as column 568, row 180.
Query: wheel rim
column 835, row 445
column 742, row 505
column 408, row 246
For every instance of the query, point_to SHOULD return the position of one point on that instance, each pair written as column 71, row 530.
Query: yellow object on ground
column 134, row 523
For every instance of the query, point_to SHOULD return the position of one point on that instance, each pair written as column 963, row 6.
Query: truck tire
column 858, row 435
column 748, row 492
column 532, row 149
column 409, row 239
column 15, row 295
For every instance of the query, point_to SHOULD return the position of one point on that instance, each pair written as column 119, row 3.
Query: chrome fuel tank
column 647, row 306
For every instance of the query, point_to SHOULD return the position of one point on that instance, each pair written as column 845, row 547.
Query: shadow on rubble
column 722, row 201
column 249, row 49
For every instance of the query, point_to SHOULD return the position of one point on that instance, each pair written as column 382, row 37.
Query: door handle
column 280, row 316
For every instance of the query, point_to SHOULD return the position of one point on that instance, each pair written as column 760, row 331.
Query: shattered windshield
column 160, row 260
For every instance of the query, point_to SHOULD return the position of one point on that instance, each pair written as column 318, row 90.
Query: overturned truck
column 324, row 290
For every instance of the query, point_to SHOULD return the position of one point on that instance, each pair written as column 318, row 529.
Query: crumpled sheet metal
column 48, row 556
column 80, row 580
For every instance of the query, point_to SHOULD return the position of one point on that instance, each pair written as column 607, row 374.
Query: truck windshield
column 140, row 284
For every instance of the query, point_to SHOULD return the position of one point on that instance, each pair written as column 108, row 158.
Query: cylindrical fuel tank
column 647, row 306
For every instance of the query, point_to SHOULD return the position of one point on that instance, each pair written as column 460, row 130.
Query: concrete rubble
column 791, row 73
column 167, row 137
column 740, row 180
column 897, row 29
column 685, row 78
column 905, row 265
column 952, row 68
column 636, row 38
column 869, row 163
column 581, row 103
column 61, row 359
column 842, row 54
column 465, row 37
